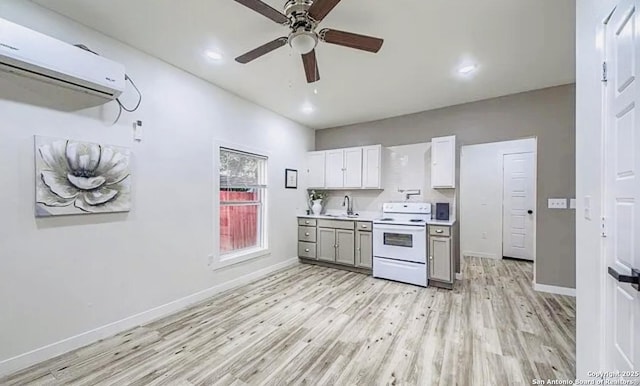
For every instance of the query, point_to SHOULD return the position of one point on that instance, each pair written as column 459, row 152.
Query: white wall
column 481, row 191
column 406, row 167
column 61, row 277
column 590, row 271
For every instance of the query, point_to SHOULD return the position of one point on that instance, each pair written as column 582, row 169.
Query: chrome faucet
column 347, row 203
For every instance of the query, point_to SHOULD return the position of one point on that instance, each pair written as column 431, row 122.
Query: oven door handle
column 401, row 228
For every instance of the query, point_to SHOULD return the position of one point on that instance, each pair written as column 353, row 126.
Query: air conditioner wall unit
column 34, row 55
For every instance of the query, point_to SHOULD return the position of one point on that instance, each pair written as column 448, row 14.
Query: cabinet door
column 440, row 259
column 316, row 169
column 353, row 168
column 443, row 162
column 334, row 168
column 326, row 246
column 364, row 249
column 346, row 248
column 371, row 167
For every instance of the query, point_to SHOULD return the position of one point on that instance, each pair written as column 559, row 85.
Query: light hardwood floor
column 320, row 326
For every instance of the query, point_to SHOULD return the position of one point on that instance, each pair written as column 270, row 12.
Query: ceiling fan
column 302, row 18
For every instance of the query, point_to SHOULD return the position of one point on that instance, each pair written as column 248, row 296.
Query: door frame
column 514, row 149
column 602, row 263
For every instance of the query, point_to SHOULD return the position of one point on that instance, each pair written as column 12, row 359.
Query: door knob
column 634, row 279
column 530, row 211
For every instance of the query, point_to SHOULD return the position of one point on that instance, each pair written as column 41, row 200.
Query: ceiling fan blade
column 311, row 67
column 265, row 10
column 262, row 50
column 348, row 39
column 321, row 8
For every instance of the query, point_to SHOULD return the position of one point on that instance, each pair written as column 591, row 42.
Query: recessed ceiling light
column 467, row 69
column 307, row 108
column 213, row 55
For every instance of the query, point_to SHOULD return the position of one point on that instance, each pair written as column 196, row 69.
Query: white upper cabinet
column 350, row 168
column 443, row 162
column 372, row 167
column 315, row 169
column 335, row 168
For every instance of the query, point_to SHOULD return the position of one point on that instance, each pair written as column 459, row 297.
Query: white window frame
column 224, row 260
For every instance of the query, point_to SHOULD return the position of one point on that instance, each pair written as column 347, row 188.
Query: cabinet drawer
column 307, row 250
column 307, row 234
column 307, row 222
column 435, row 230
column 364, row 226
column 336, row 224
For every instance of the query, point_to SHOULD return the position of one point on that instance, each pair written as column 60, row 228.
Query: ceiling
column 517, row 45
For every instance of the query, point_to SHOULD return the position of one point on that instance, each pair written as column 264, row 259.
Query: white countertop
column 370, row 217
column 360, row 217
column 446, row 223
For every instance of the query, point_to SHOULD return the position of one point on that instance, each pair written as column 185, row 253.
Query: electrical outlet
column 557, row 203
column 484, row 235
column 210, row 259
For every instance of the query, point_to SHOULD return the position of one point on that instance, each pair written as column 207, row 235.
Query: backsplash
column 406, row 167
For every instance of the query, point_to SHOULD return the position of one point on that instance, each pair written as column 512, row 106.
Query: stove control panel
column 407, row 207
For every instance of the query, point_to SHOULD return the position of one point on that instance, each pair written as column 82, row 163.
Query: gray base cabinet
column 327, row 245
column 345, row 247
column 364, row 249
column 339, row 242
column 441, row 256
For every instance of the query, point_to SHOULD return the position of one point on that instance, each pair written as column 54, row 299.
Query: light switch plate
column 557, row 203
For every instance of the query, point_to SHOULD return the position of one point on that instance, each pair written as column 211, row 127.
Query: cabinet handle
column 335, row 246
column 364, row 226
column 430, row 257
column 306, row 222
column 306, row 234
column 439, row 231
column 306, row 250
column 358, row 249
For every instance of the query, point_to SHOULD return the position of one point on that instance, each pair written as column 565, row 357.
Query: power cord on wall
column 121, row 106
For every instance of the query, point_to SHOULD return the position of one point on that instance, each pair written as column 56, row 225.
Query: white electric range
column 400, row 242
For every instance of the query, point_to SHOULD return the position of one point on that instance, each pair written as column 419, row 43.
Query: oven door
column 400, row 242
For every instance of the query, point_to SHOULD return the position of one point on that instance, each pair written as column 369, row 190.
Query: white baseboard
column 554, row 290
column 481, row 254
column 22, row 361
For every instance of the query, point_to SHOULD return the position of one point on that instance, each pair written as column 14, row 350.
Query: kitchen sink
column 342, row 215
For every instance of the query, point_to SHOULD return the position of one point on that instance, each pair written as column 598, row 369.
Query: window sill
column 241, row 256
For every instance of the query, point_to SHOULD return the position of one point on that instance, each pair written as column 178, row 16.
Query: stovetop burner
column 386, row 219
column 416, row 220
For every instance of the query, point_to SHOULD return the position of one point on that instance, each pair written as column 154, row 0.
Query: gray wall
column 548, row 114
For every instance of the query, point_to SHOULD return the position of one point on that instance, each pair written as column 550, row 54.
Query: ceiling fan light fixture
column 303, row 42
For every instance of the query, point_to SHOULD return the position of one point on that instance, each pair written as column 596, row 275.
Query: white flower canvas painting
column 74, row 177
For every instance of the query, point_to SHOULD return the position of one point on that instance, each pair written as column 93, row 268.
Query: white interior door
column 622, row 189
column 518, row 206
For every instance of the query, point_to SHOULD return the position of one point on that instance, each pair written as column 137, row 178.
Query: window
column 243, row 189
